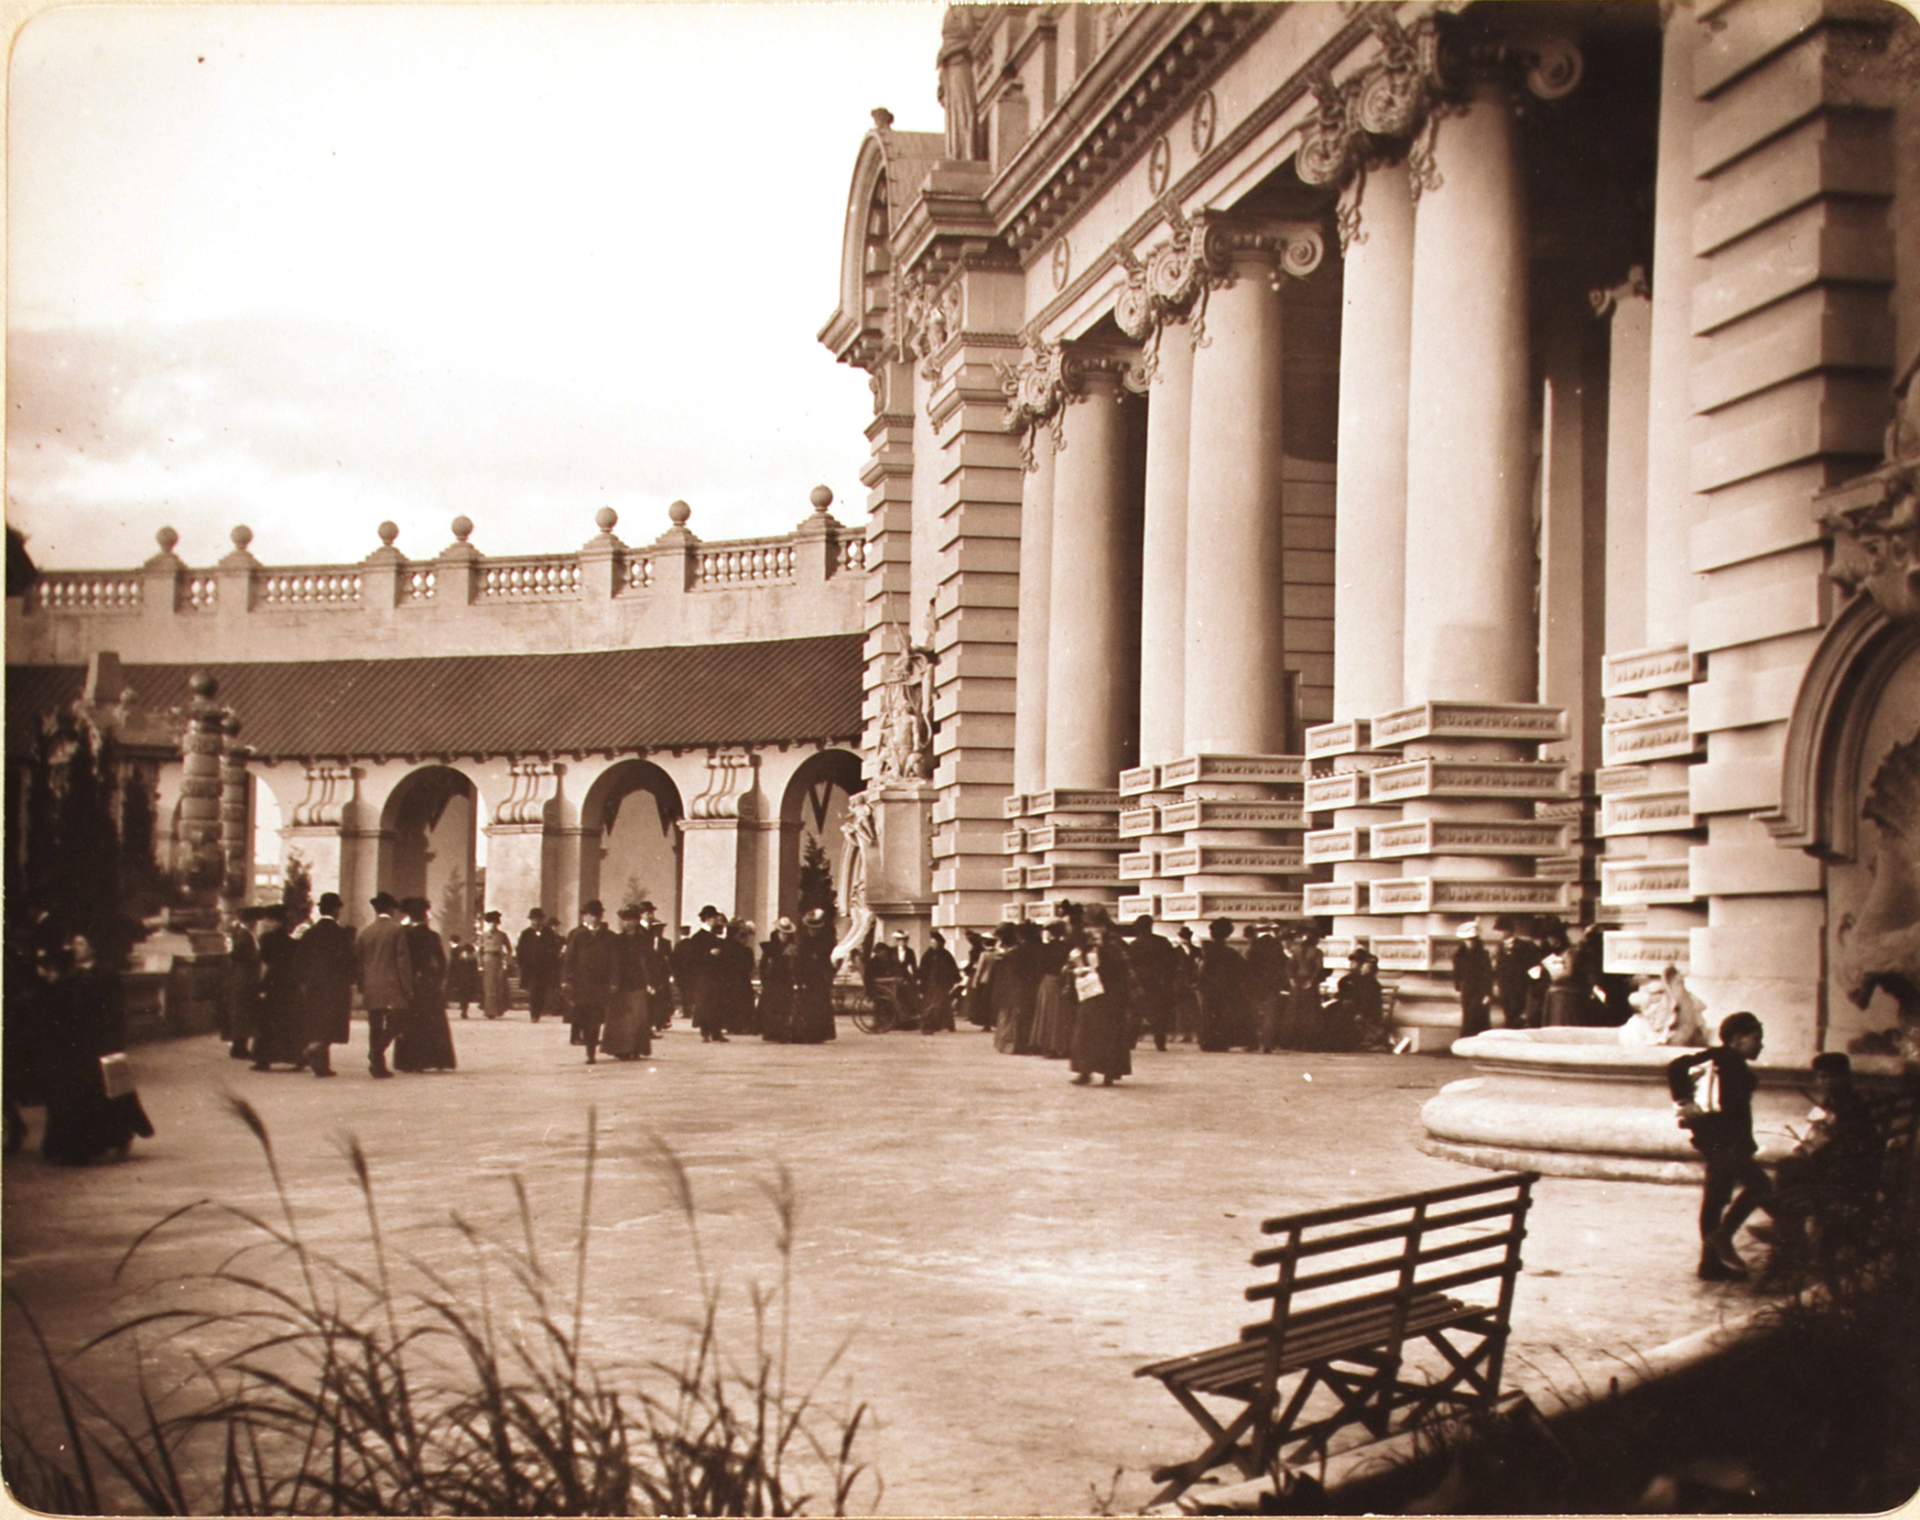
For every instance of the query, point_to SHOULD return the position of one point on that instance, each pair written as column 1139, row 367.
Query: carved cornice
column 1145, row 80
column 1172, row 283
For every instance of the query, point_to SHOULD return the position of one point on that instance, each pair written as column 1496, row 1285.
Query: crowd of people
column 1080, row 983
column 290, row 988
column 1539, row 973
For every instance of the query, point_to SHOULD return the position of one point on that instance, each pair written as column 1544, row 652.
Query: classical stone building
column 674, row 718
column 1390, row 462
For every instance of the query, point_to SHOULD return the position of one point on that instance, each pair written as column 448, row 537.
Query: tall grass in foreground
column 337, row 1388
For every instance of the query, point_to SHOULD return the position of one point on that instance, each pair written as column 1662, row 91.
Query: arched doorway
column 811, row 811
column 629, row 844
column 427, row 833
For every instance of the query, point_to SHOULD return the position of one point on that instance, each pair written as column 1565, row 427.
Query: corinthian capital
column 1035, row 389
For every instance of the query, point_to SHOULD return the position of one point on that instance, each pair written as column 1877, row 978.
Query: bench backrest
column 1383, row 1254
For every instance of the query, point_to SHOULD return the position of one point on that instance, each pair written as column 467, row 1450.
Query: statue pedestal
column 900, row 867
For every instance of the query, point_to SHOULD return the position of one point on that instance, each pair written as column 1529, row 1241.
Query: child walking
column 1713, row 1092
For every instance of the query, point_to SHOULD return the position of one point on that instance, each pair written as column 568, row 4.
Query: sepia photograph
column 1260, row 662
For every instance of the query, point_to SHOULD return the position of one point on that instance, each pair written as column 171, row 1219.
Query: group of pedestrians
column 1538, row 973
column 289, row 988
column 1259, row 990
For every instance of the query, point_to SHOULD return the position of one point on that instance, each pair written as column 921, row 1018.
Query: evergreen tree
column 816, row 879
column 296, row 889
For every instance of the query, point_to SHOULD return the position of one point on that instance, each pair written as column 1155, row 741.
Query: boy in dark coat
column 1713, row 1093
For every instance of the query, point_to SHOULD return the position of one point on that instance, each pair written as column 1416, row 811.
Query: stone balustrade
column 607, row 593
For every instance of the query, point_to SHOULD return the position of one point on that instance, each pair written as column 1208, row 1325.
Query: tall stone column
column 200, row 750
column 1167, row 379
column 236, row 817
column 1092, row 678
column 1234, row 691
column 1469, row 728
column 1030, row 683
column 1370, row 548
column 1090, row 601
column 1469, row 560
column 1649, row 746
column 1036, row 578
column 1163, row 550
column 1239, row 817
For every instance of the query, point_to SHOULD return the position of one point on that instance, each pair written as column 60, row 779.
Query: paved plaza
column 1000, row 1249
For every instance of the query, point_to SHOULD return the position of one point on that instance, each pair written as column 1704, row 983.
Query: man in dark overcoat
column 590, row 969
column 703, row 976
column 1472, row 979
column 384, row 966
column 241, row 993
column 1156, row 968
column 326, row 966
column 1513, row 963
column 538, row 954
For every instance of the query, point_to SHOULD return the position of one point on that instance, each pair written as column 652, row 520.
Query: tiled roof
column 621, row 699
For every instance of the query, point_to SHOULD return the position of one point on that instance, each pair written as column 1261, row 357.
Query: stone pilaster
column 718, row 843
column 1792, row 148
column 236, row 817
column 975, row 481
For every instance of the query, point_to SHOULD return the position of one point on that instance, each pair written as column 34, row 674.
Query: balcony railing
column 88, row 591
column 678, row 563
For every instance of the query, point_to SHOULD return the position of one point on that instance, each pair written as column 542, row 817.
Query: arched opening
column 811, row 812
column 266, row 881
column 427, row 838
column 629, row 845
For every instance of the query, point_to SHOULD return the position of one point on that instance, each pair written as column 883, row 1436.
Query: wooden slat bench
column 1354, row 1285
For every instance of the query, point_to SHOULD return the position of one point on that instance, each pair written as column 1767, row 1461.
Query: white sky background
column 309, row 267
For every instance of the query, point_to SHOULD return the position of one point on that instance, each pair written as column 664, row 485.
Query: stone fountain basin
column 1578, row 1103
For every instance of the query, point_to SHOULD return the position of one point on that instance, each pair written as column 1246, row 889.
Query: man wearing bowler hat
column 590, row 967
column 385, row 972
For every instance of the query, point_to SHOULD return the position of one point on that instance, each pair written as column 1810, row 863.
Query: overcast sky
column 309, row 267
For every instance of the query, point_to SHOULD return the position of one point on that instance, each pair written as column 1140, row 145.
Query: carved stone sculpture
column 1880, row 946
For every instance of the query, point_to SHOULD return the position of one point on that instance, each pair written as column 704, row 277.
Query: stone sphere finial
column 605, row 518
column 821, row 497
column 230, row 726
column 389, row 531
column 463, row 528
column 202, row 685
column 679, row 512
column 882, row 118
column 166, row 538
column 241, row 535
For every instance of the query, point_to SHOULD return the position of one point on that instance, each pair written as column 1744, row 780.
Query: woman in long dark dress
column 426, row 1043
column 279, row 1037
column 939, row 977
column 628, row 1032
column 1103, row 1002
column 1053, row 1003
column 1010, row 991
column 86, row 1019
column 813, row 1021
column 779, row 990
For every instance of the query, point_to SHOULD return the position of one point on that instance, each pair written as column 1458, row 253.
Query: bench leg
column 1225, row 1442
